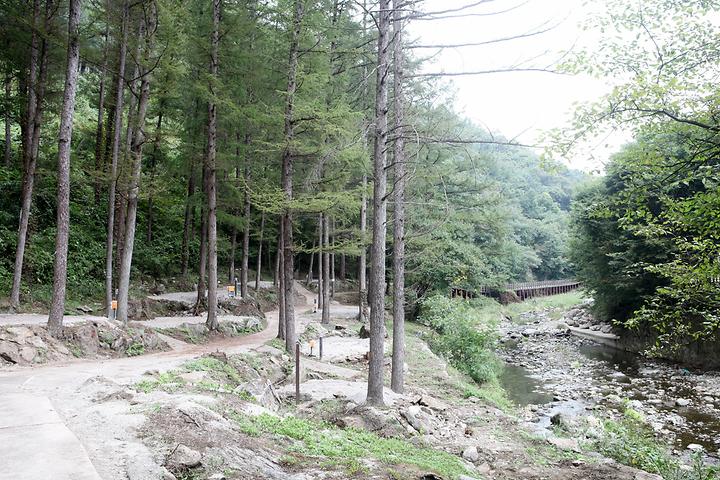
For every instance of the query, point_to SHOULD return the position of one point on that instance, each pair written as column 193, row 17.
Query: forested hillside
column 479, row 211
column 646, row 236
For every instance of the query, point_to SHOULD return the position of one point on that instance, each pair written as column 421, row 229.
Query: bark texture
column 260, row 251
column 287, row 179
column 212, row 321
column 246, row 237
column 326, row 270
column 397, row 380
column 117, row 139
column 8, row 141
column 133, row 189
column 376, row 297
column 57, row 308
column 362, row 263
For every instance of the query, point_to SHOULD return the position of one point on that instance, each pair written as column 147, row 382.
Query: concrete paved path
column 35, row 443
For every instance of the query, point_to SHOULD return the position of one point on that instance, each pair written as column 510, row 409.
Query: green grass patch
column 345, row 447
column 167, row 381
column 213, row 365
column 558, row 303
column 631, row 442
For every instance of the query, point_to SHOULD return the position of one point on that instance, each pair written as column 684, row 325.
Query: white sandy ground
column 51, row 425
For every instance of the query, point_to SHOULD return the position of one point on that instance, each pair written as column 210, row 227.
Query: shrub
column 464, row 334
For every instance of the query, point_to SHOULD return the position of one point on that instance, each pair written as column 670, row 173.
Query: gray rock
column 364, row 331
column 28, row 354
column 471, row 454
column 682, row 402
column 647, row 476
column 166, row 475
column 10, row 352
column 415, row 417
column 184, row 457
column 695, row 447
column 565, row 443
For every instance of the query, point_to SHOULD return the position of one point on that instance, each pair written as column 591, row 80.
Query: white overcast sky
column 518, row 105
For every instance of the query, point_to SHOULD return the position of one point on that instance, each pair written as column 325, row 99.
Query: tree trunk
column 321, row 262
column 136, row 166
column 153, row 169
column 287, row 181
column 122, row 182
column 259, row 257
column 8, row 132
column 332, row 259
column 280, row 284
column 246, row 237
column 202, row 261
column 37, row 80
column 341, row 275
column 398, row 352
column 309, row 277
column 362, row 264
column 276, row 272
column 233, row 247
column 100, row 127
column 326, row 270
column 117, row 139
column 212, row 321
column 188, row 222
column 376, row 297
column 57, row 308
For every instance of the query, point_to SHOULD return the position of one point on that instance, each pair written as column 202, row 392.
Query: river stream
column 550, row 371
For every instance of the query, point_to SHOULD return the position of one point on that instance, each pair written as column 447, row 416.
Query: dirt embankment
column 32, row 344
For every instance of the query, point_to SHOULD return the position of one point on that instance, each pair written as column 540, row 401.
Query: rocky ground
column 581, row 380
column 99, row 338
column 226, row 409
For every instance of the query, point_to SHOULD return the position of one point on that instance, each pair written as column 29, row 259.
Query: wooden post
column 321, row 347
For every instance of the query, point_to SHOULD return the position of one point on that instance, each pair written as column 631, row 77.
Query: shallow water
column 637, row 379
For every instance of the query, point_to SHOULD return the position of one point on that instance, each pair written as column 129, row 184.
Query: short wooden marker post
column 321, row 345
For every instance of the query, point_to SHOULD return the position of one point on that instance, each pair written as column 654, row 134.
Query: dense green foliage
column 630, row 441
column 479, row 212
column 486, row 215
column 463, row 335
column 646, row 237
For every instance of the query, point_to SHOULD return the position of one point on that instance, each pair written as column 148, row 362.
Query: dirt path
column 50, row 420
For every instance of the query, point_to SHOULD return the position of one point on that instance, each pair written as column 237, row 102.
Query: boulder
column 10, row 352
column 471, row 454
column 417, row 419
column 565, row 443
column 243, row 307
column 183, row 457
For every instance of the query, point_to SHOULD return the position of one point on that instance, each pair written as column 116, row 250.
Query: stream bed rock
column 552, row 372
